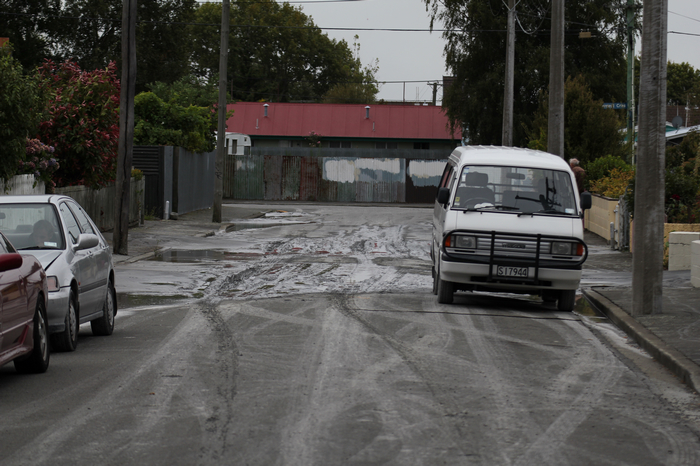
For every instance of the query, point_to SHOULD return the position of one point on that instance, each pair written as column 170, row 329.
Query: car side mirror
column 10, row 261
column 86, row 241
column 443, row 196
column 586, row 200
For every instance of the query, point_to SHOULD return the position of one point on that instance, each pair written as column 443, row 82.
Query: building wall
column 328, row 176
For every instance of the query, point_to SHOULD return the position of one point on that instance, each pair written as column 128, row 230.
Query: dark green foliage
column 181, row 114
column 90, row 34
column 276, row 53
column 683, row 180
column 590, row 131
column 21, row 106
column 683, row 84
column 475, row 55
column 31, row 28
column 602, row 166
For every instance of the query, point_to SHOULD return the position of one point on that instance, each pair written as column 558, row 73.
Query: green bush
column 602, row 167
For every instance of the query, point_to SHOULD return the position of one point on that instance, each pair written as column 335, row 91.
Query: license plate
column 505, row 271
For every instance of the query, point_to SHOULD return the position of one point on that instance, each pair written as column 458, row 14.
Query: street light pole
column 120, row 235
column 630, row 71
column 555, row 130
column 507, row 136
column 221, row 129
column 647, row 265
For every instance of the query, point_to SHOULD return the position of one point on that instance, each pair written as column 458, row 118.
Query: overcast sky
column 418, row 56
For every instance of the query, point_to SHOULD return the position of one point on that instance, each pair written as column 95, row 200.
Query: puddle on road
column 586, row 309
column 248, row 226
column 125, row 300
column 200, row 255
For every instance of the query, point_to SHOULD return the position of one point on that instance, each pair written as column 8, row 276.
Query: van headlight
column 565, row 248
column 461, row 242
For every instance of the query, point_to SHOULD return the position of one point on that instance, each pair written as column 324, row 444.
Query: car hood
column 46, row 257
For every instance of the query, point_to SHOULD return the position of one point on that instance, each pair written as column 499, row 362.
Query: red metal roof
column 340, row 120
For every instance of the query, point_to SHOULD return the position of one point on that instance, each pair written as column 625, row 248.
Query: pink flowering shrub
column 40, row 162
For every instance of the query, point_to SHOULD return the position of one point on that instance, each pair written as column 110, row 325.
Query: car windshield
column 515, row 189
column 31, row 226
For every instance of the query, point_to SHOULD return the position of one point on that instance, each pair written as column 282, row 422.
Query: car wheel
column 567, row 300
column 68, row 339
column 105, row 325
column 38, row 360
column 445, row 291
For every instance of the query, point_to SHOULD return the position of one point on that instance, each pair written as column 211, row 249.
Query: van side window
column 446, row 175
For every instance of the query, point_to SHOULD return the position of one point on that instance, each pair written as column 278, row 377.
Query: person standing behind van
column 579, row 173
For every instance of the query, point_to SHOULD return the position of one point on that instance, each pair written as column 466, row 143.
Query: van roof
column 508, row 156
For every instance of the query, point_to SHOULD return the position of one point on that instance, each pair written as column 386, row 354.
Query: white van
column 508, row 219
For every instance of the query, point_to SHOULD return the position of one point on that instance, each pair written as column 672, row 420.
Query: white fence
column 98, row 203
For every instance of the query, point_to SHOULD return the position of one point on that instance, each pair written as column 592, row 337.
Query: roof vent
column 367, row 112
column 265, row 107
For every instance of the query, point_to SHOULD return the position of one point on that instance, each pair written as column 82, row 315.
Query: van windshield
column 514, row 189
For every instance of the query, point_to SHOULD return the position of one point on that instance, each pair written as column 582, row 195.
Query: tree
column 90, row 34
column 276, row 53
column 683, row 84
column 82, row 123
column 182, row 114
column 21, row 106
column 31, row 27
column 475, row 55
column 362, row 87
column 590, row 131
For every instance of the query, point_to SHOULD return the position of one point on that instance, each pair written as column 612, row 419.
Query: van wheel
column 445, row 291
column 567, row 300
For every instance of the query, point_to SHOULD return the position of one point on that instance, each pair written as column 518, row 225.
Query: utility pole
column 647, row 265
column 507, row 134
column 435, row 86
column 630, row 71
column 120, row 236
column 221, row 130
column 555, row 129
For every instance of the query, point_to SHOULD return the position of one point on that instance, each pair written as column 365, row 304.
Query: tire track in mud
column 450, row 419
column 226, row 361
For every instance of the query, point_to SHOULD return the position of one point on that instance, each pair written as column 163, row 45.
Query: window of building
column 421, row 145
column 386, row 145
column 340, row 144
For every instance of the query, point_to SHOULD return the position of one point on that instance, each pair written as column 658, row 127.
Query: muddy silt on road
column 316, row 340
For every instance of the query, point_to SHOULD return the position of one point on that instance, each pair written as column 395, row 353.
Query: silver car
column 76, row 257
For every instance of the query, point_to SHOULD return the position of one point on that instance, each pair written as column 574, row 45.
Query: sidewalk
column 150, row 237
column 671, row 337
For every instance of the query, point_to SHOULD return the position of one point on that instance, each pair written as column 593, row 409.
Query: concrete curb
column 671, row 358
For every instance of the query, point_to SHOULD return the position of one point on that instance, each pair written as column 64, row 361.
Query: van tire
column 567, row 300
column 445, row 291
column 435, row 280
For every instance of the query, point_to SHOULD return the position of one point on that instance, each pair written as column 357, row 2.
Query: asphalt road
column 315, row 341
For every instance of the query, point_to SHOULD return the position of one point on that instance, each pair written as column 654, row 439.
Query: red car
column 24, row 336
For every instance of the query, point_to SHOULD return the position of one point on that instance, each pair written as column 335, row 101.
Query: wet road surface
column 319, row 342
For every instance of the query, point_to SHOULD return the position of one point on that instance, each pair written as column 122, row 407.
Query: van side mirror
column 586, row 200
column 443, row 196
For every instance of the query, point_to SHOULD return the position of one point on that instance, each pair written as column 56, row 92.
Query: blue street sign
column 615, row 106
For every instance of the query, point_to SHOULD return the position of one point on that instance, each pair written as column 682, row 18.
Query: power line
column 684, row 16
